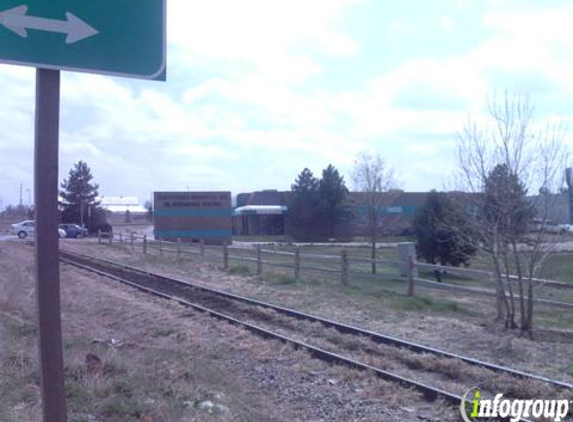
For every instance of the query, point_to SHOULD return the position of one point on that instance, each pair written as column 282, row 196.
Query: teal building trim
column 195, row 212
column 197, row 233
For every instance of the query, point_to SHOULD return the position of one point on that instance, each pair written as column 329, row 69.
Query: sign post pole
column 47, row 265
column 93, row 39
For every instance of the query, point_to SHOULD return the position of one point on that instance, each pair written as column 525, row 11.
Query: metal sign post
column 124, row 38
column 47, row 265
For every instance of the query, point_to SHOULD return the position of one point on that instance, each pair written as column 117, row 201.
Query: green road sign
column 111, row 37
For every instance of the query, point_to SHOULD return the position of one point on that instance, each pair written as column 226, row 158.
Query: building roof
column 118, row 200
column 263, row 197
column 394, row 198
column 121, row 204
column 124, row 208
column 260, row 210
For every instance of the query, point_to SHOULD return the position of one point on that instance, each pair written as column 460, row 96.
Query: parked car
column 23, row 229
column 102, row 227
column 28, row 228
column 547, row 226
column 566, row 228
column 73, row 231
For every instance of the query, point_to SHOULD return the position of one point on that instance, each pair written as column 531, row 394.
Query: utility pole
column 21, row 203
column 569, row 180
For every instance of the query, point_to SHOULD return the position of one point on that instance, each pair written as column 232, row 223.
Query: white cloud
column 254, row 28
column 400, row 26
column 537, row 42
column 421, row 103
column 435, row 95
column 463, row 4
column 551, row 27
column 447, row 23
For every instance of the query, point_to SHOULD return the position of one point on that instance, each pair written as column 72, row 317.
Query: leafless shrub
column 375, row 180
column 499, row 156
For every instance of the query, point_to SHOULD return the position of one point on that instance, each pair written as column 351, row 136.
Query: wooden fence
column 343, row 266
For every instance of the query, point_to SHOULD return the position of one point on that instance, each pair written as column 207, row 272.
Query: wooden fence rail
column 345, row 270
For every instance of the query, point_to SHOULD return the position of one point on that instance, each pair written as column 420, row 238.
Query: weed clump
column 241, row 270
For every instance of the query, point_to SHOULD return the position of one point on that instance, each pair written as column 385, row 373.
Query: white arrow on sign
column 16, row 20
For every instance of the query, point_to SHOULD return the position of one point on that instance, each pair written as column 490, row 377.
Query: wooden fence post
column 259, row 262
column 410, row 275
column 132, row 242
column 120, row 237
column 178, row 248
column 297, row 264
column 144, row 243
column 344, row 267
column 226, row 257
column 110, row 237
column 160, row 247
column 99, row 236
column 202, row 246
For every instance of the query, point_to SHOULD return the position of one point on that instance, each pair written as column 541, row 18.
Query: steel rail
column 341, row 327
column 430, row 393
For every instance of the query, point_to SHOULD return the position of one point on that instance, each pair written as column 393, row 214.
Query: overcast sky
column 259, row 89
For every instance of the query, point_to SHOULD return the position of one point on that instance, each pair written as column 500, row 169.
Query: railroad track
column 435, row 373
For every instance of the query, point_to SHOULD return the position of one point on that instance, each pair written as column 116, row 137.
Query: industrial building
column 266, row 213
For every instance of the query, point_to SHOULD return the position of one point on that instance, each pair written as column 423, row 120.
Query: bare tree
column 375, row 180
column 510, row 171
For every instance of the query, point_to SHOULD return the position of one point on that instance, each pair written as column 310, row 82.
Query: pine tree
column 442, row 237
column 304, row 199
column 78, row 193
column 332, row 192
column 505, row 204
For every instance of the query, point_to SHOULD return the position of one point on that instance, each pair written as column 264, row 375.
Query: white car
column 24, row 228
column 546, row 226
column 28, row 228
